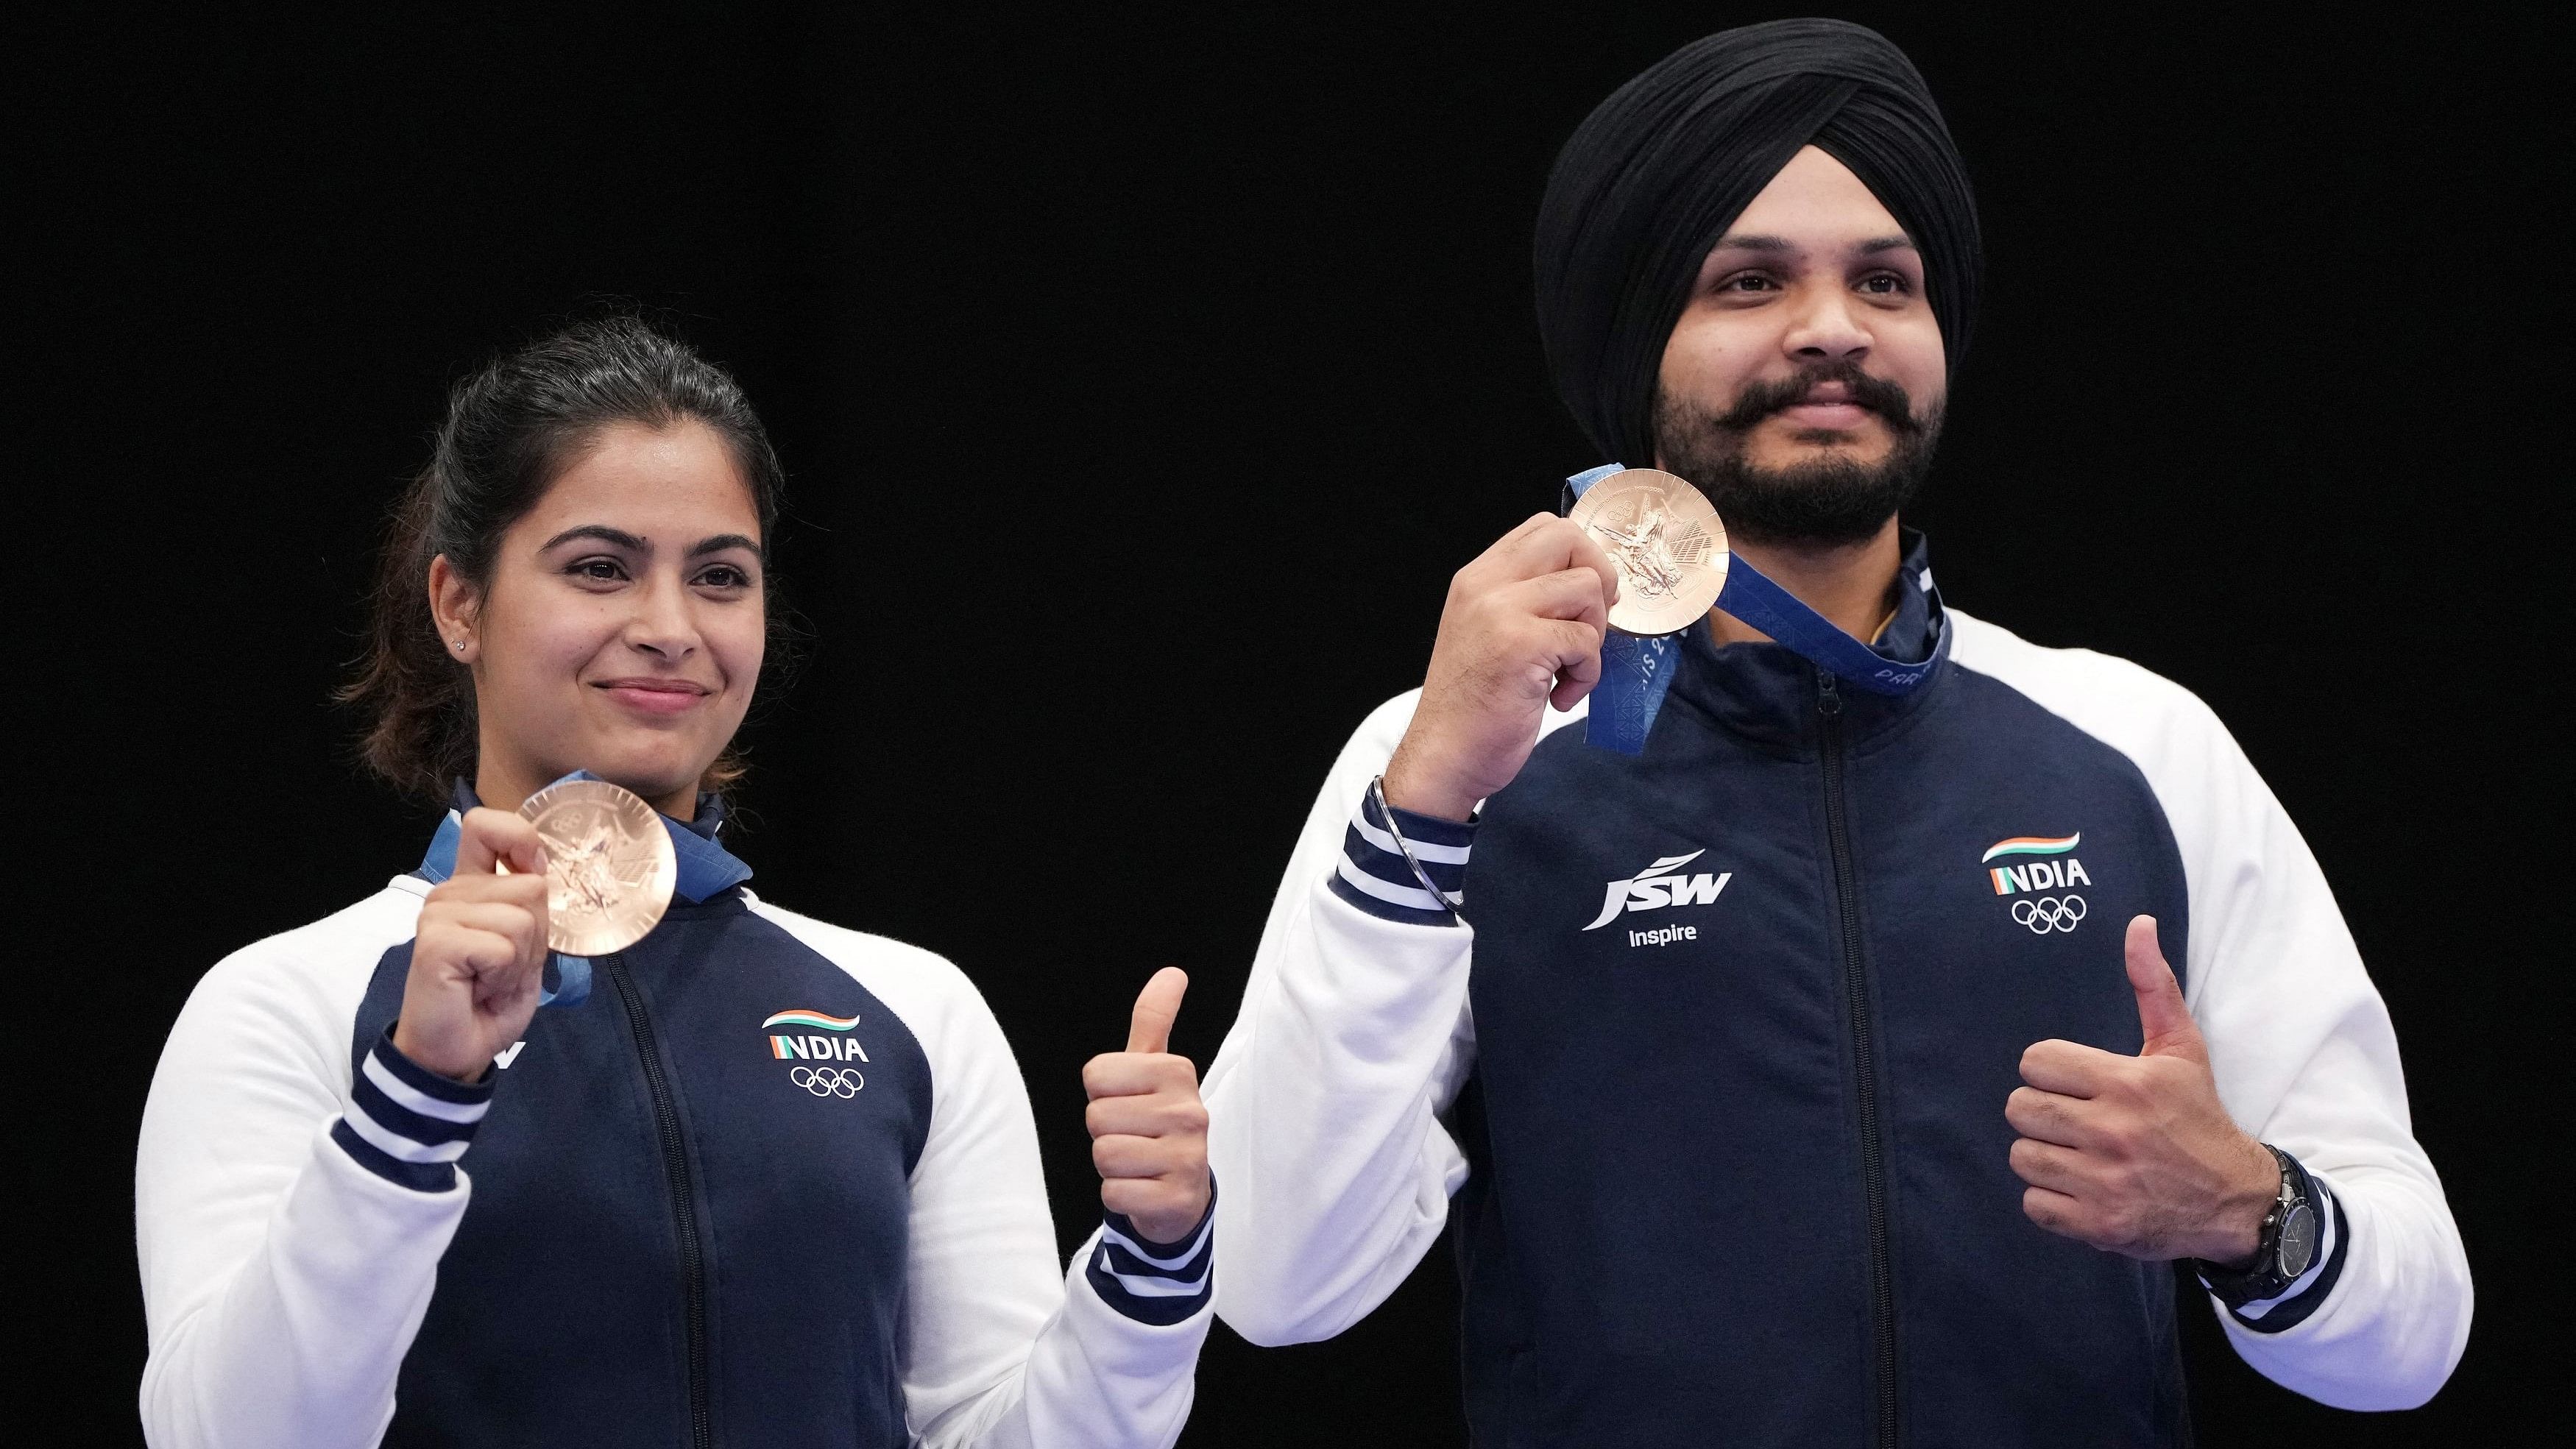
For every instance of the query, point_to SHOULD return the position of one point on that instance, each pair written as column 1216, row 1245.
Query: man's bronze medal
column 1668, row 544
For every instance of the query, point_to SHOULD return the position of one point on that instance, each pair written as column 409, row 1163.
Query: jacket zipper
column 1873, row 1167
column 684, row 1211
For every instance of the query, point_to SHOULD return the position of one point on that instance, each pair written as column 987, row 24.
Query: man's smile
column 1827, row 406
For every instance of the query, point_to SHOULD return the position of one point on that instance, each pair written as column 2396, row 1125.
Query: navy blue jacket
column 1711, row 1098
column 1756, row 1177
column 667, row 1243
column 773, row 1182
column 693, row 1200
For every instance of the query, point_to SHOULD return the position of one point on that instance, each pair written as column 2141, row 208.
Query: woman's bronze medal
column 609, row 865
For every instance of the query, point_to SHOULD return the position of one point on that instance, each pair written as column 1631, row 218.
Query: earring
column 460, row 646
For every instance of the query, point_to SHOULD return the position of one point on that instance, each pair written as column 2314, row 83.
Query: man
column 1816, row 1074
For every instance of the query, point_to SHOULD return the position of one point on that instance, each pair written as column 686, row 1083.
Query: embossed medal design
column 609, row 866
column 1668, row 543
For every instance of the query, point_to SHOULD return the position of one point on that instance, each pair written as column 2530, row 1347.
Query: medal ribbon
column 1637, row 672
column 705, row 869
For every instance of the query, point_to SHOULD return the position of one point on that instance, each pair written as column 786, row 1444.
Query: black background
column 2265, row 397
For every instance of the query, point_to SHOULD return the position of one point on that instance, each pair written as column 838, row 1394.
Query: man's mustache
column 1761, row 399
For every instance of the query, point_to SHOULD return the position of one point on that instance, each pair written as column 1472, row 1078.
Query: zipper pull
column 1829, row 699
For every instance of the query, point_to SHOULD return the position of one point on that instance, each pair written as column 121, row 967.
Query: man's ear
column 453, row 605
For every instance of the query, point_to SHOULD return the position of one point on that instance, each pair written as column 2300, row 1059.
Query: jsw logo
column 1657, row 886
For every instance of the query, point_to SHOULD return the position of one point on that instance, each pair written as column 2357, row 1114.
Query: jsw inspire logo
column 1658, row 886
column 814, row 1048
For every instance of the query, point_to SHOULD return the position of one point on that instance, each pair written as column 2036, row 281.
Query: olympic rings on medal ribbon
column 2049, row 913
column 828, row 1081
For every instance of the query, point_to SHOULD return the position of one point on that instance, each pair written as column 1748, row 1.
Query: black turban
column 1656, row 174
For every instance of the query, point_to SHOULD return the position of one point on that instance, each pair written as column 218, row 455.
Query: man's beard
column 1824, row 503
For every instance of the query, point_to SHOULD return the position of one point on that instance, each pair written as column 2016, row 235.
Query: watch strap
column 2263, row 1278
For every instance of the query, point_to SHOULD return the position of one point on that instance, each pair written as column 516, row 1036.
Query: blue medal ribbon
column 1637, row 672
column 706, row 870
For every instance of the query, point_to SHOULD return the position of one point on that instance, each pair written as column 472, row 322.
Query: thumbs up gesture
column 1148, row 1127
column 2136, row 1155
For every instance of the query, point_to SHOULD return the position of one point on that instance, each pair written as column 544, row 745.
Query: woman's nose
column 662, row 625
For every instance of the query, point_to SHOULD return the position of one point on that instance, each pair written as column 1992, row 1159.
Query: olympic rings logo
column 828, row 1081
column 2049, row 913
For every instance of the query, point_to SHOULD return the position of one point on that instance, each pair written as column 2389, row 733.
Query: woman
column 775, row 1182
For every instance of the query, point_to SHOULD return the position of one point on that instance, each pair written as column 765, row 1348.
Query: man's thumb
column 1150, row 1030
column 2162, row 1017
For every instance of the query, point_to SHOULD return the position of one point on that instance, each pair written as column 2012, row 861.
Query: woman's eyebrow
column 603, row 533
column 722, row 541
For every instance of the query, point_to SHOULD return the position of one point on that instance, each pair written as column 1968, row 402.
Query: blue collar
column 707, row 870
column 1915, row 630
column 1768, row 692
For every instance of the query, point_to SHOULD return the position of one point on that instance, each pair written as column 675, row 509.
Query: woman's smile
column 654, row 695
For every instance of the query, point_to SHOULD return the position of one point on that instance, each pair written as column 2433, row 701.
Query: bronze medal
column 609, row 865
column 1667, row 541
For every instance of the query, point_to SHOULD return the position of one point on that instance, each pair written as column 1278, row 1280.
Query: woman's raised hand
column 1148, row 1127
column 478, row 960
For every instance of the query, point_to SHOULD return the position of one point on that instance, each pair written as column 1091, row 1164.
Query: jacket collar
column 706, row 869
column 1767, row 693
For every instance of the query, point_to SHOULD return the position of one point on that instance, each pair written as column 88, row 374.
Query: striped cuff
column 2291, row 1306
column 406, row 1123
column 1151, row 1282
column 1372, row 874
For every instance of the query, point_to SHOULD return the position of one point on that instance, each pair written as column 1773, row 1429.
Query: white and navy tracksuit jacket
column 775, row 1182
column 1712, row 1088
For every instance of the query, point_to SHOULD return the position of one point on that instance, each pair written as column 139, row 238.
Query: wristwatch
column 2288, row 1247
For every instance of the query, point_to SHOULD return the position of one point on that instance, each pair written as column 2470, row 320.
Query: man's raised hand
column 1148, row 1127
column 2136, row 1155
column 1521, row 630
column 478, row 958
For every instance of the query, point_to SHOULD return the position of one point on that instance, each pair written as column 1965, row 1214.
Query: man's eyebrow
column 605, row 534
column 718, row 543
column 1757, row 242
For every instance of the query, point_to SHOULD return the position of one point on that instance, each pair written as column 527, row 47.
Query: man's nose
column 1826, row 329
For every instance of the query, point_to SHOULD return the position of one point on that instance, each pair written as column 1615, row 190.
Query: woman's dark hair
column 512, row 428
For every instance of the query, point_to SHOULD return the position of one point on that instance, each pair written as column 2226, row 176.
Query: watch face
column 2298, row 1240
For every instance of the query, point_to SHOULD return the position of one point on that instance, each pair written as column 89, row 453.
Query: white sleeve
column 2302, row 1047
column 2306, row 1059
column 288, row 1218
column 999, row 1348
column 1324, row 1104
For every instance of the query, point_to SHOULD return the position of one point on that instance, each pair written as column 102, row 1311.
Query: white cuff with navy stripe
column 406, row 1123
column 1151, row 1282
column 1372, row 873
column 2291, row 1306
